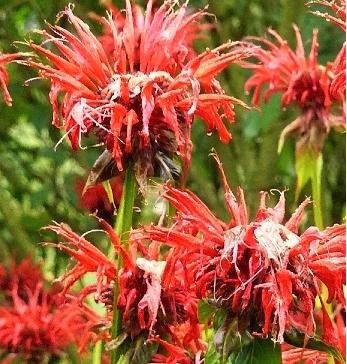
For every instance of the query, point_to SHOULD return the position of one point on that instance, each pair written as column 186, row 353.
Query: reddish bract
column 5, row 59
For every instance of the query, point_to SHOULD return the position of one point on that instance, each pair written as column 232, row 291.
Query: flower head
column 302, row 82
column 35, row 323
column 263, row 272
column 140, row 90
column 5, row 59
column 25, row 276
column 192, row 29
column 338, row 84
column 154, row 298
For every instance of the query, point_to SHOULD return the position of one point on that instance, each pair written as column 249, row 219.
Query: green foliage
column 205, row 311
column 259, row 351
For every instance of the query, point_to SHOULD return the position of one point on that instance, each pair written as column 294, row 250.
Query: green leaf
column 259, row 351
column 308, row 165
column 232, row 340
column 138, row 352
column 205, row 311
column 219, row 318
column 115, row 343
column 296, row 339
column 108, row 189
column 125, row 359
column 229, row 340
column 305, row 162
column 211, row 356
column 143, row 351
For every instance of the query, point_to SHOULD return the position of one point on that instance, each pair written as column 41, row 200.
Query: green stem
column 97, row 353
column 125, row 211
column 122, row 227
column 316, row 182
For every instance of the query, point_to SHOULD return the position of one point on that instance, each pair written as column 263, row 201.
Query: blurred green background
column 37, row 184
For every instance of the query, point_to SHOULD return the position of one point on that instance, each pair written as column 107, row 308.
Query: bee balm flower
column 262, row 272
column 35, row 323
column 139, row 97
column 302, row 82
column 154, row 296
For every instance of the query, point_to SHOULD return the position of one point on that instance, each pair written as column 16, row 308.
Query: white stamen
column 276, row 239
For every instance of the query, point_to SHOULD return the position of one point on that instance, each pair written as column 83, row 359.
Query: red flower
column 154, row 296
column 4, row 59
column 263, row 272
column 36, row 324
column 140, row 93
column 25, row 276
column 302, row 82
column 191, row 30
column 338, row 84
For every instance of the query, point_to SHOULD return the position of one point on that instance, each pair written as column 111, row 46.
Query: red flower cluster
column 35, row 323
column 155, row 297
column 265, row 274
column 301, row 80
column 4, row 59
column 139, row 87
